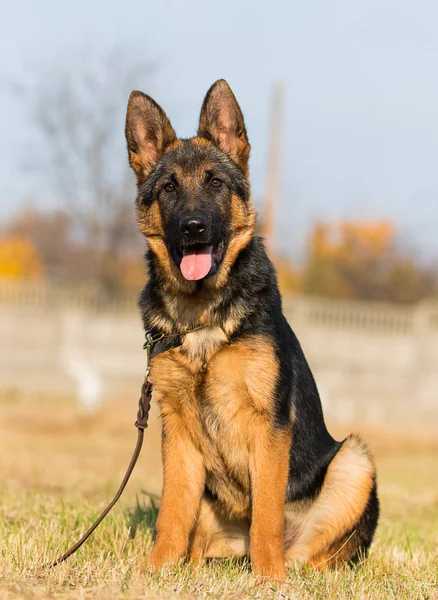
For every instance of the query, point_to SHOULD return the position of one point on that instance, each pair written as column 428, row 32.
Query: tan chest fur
column 218, row 395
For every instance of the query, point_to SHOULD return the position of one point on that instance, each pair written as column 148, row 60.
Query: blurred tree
column 133, row 273
column 19, row 258
column 50, row 233
column 362, row 261
column 290, row 279
column 66, row 257
column 79, row 115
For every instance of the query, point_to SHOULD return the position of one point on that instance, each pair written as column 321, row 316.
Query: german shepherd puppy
column 249, row 466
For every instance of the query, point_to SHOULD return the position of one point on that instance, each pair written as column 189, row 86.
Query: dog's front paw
column 268, row 570
column 267, row 559
column 270, row 574
column 160, row 556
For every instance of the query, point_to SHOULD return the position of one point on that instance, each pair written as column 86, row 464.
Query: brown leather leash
column 141, row 423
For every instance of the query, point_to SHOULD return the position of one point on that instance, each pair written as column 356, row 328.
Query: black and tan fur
column 249, row 466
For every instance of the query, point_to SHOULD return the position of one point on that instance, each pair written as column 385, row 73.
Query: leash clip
column 149, row 340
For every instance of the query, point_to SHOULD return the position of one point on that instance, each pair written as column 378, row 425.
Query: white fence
column 373, row 362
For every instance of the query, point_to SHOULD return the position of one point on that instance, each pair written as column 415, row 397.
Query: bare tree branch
column 79, row 114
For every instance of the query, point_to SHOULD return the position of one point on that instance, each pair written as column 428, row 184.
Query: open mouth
column 200, row 260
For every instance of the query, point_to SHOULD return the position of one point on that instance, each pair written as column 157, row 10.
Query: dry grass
column 58, row 469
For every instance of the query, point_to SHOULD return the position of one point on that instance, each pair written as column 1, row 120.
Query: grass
column 58, row 469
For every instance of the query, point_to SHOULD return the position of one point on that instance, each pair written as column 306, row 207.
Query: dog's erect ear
column 221, row 122
column 148, row 133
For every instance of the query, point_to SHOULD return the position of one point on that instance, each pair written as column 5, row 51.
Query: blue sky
column 360, row 134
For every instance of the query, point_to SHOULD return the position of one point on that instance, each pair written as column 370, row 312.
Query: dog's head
column 193, row 203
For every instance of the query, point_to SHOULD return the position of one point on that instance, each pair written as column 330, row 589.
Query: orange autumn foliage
column 344, row 239
column 290, row 279
column 361, row 260
column 19, row 258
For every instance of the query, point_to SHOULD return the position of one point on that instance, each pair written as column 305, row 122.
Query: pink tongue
column 196, row 263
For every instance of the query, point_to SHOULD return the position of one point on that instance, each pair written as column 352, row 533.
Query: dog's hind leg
column 216, row 537
column 338, row 526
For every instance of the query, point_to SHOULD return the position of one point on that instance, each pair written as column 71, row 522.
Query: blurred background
column 340, row 100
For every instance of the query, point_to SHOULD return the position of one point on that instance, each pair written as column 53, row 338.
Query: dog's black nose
column 192, row 226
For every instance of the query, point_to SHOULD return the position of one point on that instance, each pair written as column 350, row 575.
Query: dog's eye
column 169, row 187
column 215, row 182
